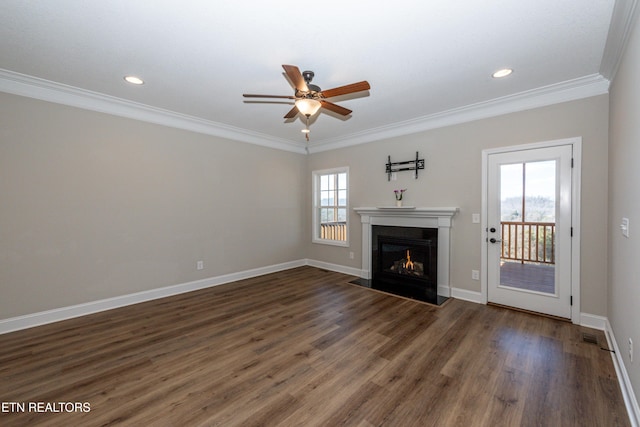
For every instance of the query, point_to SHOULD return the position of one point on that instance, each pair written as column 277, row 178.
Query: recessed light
column 502, row 73
column 134, row 80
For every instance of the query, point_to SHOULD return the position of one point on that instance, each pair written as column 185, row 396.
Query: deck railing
column 333, row 230
column 528, row 241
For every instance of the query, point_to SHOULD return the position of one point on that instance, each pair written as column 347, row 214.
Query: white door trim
column 576, row 143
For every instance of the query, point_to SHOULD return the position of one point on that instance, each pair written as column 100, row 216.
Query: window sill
column 341, row 243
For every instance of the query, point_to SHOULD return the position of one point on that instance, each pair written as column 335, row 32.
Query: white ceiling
column 429, row 63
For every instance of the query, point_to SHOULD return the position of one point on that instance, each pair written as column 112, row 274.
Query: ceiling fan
column 309, row 98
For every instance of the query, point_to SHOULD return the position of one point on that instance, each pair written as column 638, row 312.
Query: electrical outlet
column 630, row 350
column 624, row 227
column 351, row 255
column 475, row 274
column 199, row 265
column 394, row 176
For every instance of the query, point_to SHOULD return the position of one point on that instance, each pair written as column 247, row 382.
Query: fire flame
column 408, row 264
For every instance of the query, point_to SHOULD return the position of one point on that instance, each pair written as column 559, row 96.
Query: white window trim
column 315, row 207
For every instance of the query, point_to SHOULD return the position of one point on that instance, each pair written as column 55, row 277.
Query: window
column 330, row 206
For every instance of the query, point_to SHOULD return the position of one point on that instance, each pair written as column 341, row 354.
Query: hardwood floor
column 305, row 348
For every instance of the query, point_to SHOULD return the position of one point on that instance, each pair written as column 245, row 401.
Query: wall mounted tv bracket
column 417, row 164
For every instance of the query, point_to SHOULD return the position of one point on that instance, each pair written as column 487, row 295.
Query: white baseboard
column 467, row 295
column 64, row 313
column 444, row 291
column 593, row 321
column 628, row 395
column 335, row 267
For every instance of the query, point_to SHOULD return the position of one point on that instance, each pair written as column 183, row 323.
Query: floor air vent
column 589, row 338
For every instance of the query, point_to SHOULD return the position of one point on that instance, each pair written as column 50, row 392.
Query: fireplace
column 425, row 232
column 406, row 261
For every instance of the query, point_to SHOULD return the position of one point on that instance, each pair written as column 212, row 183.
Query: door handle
column 492, row 240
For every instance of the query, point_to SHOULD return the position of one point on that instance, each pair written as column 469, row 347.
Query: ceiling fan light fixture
column 504, row 72
column 308, row 98
column 308, row 106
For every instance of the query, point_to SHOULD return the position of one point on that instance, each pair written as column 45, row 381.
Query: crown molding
column 622, row 19
column 46, row 90
column 570, row 90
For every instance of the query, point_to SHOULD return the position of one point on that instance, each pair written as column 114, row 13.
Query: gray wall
column 453, row 178
column 624, row 201
column 94, row 206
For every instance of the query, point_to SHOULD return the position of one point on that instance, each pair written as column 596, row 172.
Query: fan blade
column 292, row 113
column 343, row 90
column 252, row 95
column 335, row 108
column 296, row 77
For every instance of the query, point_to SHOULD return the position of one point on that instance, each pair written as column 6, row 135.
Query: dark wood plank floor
column 305, row 348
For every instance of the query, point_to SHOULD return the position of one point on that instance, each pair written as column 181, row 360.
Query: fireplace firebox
column 421, row 223
column 406, row 262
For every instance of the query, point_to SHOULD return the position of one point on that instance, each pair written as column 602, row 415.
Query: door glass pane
column 511, row 192
column 528, row 214
column 540, row 191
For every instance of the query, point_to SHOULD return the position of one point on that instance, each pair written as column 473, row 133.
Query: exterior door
column 529, row 229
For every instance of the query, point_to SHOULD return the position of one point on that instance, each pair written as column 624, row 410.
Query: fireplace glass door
column 407, row 267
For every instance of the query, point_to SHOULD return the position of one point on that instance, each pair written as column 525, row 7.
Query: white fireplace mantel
column 440, row 218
